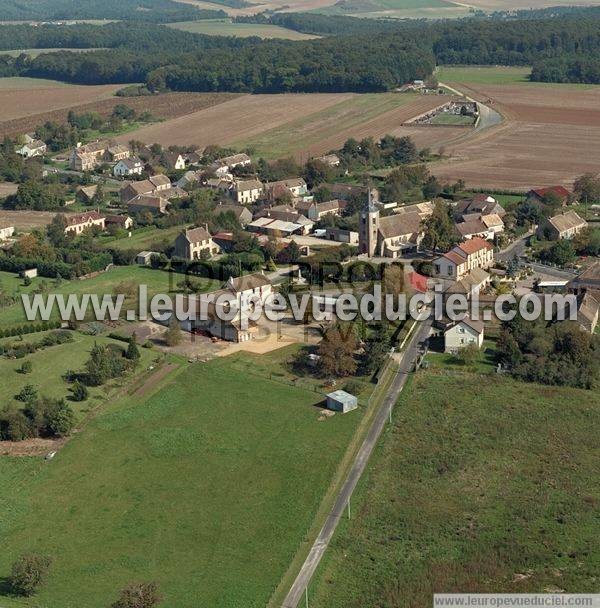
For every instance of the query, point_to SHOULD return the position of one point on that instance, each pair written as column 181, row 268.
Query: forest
column 349, row 57
column 158, row 11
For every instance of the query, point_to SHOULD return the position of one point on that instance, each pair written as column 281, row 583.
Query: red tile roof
column 475, row 244
column 560, row 191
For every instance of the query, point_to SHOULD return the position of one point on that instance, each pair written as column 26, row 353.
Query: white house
column 79, row 222
column 6, row 231
column 35, row 147
column 192, row 244
column 128, row 166
column 463, row 333
column 247, row 191
column 462, row 259
column 224, row 165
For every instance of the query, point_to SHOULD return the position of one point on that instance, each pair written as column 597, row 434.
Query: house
column 392, row 235
column 148, row 202
column 194, row 158
column 295, row 186
column 247, row 191
column 588, row 307
column 128, row 166
column 6, row 231
column 471, row 284
column 79, row 222
column 464, row 257
column 588, row 280
column 117, row 152
column 124, row 221
column 173, row 161
column 542, row 195
column 89, row 156
column 195, row 244
column 225, row 313
column 331, row 160
column 460, row 334
column 157, row 184
column 341, row 401
column 562, row 226
column 340, row 235
column 484, row 226
column 222, row 166
column 143, row 258
column 86, row 194
column 242, row 214
column 479, row 205
column 189, row 178
column 34, row 147
column 315, row 211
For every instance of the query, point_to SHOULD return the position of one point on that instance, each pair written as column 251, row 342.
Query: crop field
column 242, row 470
column 21, row 97
column 483, row 74
column 295, row 124
column 164, row 106
column 550, row 135
column 222, row 27
column 482, row 493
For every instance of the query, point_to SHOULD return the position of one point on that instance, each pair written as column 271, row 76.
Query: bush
column 79, row 392
column 26, row 367
column 28, row 573
column 138, row 595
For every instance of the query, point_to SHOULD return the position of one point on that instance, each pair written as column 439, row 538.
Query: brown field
column 26, row 220
column 7, row 188
column 551, row 135
column 25, row 97
column 259, row 7
column 297, row 124
column 165, row 106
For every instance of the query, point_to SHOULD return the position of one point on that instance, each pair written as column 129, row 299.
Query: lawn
column 157, row 281
column 482, row 484
column 309, row 130
column 225, row 27
column 207, row 487
column 446, row 118
column 50, row 364
column 148, row 238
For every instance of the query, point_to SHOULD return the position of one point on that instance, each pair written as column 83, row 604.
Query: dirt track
column 551, row 135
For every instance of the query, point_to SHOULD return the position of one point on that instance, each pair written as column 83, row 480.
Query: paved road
column 553, row 272
column 515, row 248
column 321, row 543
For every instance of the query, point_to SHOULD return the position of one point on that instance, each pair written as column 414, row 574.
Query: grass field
column 408, row 9
column 485, row 74
column 49, row 365
column 157, row 281
column 445, row 118
column 482, row 484
column 207, row 487
column 144, row 238
column 224, row 27
column 330, row 126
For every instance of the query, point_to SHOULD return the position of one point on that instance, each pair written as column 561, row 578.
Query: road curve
column 322, row 541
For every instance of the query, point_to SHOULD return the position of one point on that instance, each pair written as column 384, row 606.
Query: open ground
column 473, row 494
column 297, row 124
column 248, row 467
column 550, row 135
column 24, row 114
column 225, row 27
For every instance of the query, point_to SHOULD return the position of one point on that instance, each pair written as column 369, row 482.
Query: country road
column 322, row 541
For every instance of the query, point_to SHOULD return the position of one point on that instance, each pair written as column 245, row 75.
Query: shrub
column 28, row 573
column 79, row 392
column 139, row 595
column 26, row 367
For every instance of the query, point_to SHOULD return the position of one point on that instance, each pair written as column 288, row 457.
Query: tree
column 58, row 417
column 561, row 253
column 26, row 367
column 587, row 188
column 439, row 228
column 172, row 336
column 139, row 595
column 79, row 392
column 337, row 351
column 28, row 573
column 132, row 353
column 468, row 354
column 28, row 394
column 56, row 230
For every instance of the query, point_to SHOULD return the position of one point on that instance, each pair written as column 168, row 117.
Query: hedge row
column 30, row 328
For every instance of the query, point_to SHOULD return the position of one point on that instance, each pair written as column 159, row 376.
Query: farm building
column 339, row 235
column 79, row 222
column 543, row 195
column 341, row 401
column 143, row 257
column 562, row 226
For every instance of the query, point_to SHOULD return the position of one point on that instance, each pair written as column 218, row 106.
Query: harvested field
column 21, row 97
column 165, row 106
column 296, row 124
column 25, row 220
column 279, row 5
column 551, row 135
column 224, row 27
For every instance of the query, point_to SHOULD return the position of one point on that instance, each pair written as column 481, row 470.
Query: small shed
column 30, row 273
column 341, row 401
column 143, row 257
